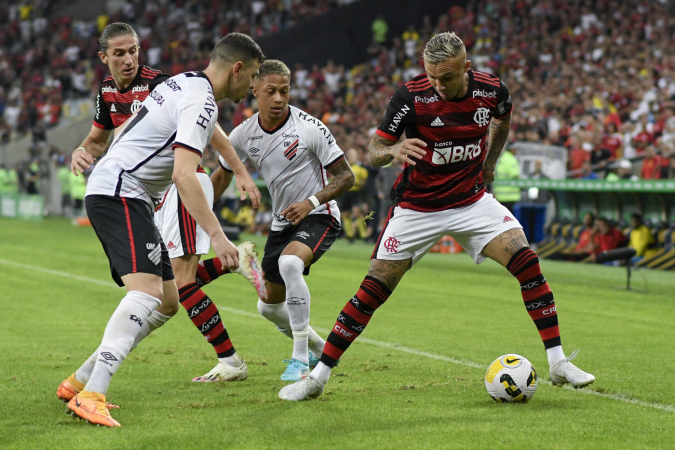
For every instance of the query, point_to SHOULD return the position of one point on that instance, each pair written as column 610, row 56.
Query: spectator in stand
column 577, row 155
column 380, row 29
column 608, row 238
column 586, row 245
column 622, row 172
column 651, row 165
column 600, row 156
column 587, row 172
column 640, row 237
column 351, row 201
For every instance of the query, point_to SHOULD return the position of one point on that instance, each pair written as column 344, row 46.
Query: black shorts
column 129, row 236
column 317, row 231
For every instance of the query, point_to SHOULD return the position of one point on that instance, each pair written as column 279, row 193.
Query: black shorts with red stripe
column 129, row 236
column 317, row 231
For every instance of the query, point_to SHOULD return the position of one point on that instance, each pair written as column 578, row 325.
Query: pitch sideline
column 364, row 340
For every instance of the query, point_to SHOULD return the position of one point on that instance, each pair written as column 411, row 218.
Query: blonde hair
column 273, row 67
column 443, row 46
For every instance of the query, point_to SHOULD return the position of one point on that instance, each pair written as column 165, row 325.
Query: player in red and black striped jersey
column 456, row 122
column 114, row 105
column 450, row 174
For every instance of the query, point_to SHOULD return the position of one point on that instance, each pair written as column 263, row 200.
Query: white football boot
column 224, row 372
column 249, row 267
column 566, row 372
column 305, row 388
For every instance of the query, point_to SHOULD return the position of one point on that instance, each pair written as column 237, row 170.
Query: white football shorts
column 411, row 234
column 179, row 231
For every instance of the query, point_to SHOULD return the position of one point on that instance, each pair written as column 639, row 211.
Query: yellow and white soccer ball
column 511, row 378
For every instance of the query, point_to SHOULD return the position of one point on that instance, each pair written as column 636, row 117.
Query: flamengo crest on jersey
column 451, row 173
column 181, row 112
column 292, row 159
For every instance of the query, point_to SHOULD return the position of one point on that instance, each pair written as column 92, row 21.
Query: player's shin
column 118, row 339
column 298, row 303
column 208, row 270
column 350, row 324
column 205, row 316
column 538, row 298
column 277, row 313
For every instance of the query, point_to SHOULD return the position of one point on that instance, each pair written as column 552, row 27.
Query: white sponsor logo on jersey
column 482, row 93
column 482, row 117
column 437, row 122
column 144, row 88
column 112, row 108
column 433, row 99
column 397, row 118
column 108, row 89
column 456, row 154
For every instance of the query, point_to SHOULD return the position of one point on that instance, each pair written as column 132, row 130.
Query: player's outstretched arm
column 243, row 180
column 343, row 180
column 499, row 133
column 192, row 195
column 221, row 180
column 382, row 151
column 91, row 148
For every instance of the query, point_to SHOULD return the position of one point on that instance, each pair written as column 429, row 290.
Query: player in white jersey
column 292, row 152
column 162, row 143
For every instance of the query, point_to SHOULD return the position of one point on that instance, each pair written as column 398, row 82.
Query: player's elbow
column 180, row 175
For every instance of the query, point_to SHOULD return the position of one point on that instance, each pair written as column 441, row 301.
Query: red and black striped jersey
column 114, row 106
column 451, row 173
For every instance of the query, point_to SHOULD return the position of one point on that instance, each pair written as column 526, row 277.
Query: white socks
column 297, row 301
column 233, row 360
column 321, row 373
column 155, row 321
column 125, row 324
column 277, row 313
column 555, row 355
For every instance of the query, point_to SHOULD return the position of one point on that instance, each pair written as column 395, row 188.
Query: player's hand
column 409, row 150
column 80, row 161
column 297, row 211
column 226, row 251
column 488, row 175
column 245, row 184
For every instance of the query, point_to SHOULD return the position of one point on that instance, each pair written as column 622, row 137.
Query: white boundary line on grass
column 364, row 340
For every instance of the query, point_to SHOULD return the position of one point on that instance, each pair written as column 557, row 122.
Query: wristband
column 80, row 148
column 314, row 201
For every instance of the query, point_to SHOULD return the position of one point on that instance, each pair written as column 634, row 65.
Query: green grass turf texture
column 377, row 397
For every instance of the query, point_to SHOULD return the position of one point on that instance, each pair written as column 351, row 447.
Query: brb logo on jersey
column 455, row 154
column 482, row 117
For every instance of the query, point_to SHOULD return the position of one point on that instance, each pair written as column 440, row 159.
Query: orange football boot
column 70, row 387
column 91, row 406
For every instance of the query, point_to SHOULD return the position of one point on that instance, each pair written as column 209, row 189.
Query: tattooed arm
column 499, row 132
column 343, row 180
column 382, row 151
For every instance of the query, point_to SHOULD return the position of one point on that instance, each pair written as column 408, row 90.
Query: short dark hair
column 273, row 67
column 237, row 47
column 638, row 217
column 112, row 31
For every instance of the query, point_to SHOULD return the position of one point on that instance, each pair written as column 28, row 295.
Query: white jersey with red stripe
column 181, row 111
column 292, row 159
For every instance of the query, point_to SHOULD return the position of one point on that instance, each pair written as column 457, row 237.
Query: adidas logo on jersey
column 437, row 122
column 507, row 219
column 113, row 109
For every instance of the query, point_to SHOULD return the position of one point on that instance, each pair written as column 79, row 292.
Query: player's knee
column 290, row 266
column 169, row 306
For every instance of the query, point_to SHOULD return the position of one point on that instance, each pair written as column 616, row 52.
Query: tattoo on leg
column 508, row 235
column 515, row 244
column 389, row 272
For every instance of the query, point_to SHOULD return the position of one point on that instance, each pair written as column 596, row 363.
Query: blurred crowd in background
column 596, row 77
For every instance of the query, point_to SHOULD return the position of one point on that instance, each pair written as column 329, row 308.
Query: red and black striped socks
column 204, row 314
column 524, row 265
column 353, row 319
column 209, row 270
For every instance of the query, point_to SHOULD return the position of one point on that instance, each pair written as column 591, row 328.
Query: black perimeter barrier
column 625, row 254
column 344, row 34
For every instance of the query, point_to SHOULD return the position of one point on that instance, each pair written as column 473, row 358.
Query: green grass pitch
column 414, row 381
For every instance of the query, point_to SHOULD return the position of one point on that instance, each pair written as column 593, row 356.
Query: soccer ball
column 511, row 378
